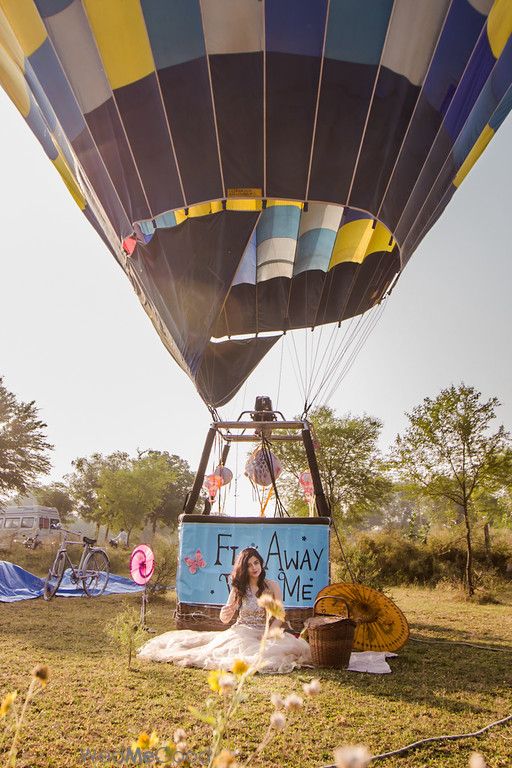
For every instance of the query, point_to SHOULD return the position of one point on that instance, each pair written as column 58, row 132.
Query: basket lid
column 321, row 621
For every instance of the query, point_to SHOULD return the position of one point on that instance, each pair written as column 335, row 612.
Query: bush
column 390, row 558
column 166, row 561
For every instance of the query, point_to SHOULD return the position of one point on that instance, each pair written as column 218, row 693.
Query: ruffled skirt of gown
column 218, row 650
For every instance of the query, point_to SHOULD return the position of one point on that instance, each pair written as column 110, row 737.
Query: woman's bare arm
column 228, row 611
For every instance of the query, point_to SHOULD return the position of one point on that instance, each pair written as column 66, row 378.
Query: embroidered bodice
column 250, row 613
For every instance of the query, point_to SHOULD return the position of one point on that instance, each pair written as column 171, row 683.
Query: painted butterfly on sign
column 193, row 563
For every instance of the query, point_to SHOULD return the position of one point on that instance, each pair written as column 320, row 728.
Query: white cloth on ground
column 370, row 661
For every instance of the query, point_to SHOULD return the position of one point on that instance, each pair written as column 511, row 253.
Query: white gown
column 218, row 650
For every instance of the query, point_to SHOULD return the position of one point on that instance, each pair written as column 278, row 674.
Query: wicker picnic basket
column 330, row 639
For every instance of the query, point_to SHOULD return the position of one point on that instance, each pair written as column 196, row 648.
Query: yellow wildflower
column 7, row 703
column 146, row 741
column 239, row 667
column 213, row 679
column 42, row 673
column 272, row 606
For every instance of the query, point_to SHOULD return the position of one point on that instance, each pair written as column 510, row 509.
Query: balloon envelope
column 267, row 166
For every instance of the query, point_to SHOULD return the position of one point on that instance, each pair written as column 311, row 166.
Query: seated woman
column 218, row 650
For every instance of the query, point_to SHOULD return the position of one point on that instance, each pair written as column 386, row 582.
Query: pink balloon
column 306, row 483
column 142, row 564
column 212, row 483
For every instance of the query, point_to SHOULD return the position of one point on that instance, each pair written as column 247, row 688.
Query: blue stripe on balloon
column 350, row 214
column 49, row 8
column 356, row 30
column 460, row 33
column 247, row 268
column 278, row 221
column 493, row 91
column 295, row 26
column 175, row 31
column 314, row 250
column 53, row 82
column 39, row 127
column 504, row 107
column 475, row 76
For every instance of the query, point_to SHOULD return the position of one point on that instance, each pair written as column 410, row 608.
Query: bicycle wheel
column 55, row 575
column 96, row 573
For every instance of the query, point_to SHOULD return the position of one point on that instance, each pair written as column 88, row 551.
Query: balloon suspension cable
column 327, row 359
column 267, row 455
column 343, row 555
column 280, row 372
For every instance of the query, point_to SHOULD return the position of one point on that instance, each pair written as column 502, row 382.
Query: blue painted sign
column 295, row 553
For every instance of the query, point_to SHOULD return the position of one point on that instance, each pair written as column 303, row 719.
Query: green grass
column 93, row 701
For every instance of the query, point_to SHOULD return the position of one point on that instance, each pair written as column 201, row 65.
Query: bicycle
column 93, row 569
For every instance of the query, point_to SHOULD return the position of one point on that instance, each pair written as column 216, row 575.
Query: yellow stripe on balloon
column 239, row 204
column 272, row 203
column 474, row 154
column 499, row 26
column 68, row 178
column 380, row 240
column 10, row 43
column 13, row 82
column 121, row 36
column 26, row 23
column 352, row 242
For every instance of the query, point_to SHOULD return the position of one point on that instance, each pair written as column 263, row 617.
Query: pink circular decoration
column 142, row 564
column 224, row 473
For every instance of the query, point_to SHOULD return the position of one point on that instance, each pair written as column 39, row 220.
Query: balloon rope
column 280, row 372
column 347, row 565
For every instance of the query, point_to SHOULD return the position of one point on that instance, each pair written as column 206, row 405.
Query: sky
column 74, row 338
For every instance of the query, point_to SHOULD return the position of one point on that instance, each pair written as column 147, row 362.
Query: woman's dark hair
column 240, row 572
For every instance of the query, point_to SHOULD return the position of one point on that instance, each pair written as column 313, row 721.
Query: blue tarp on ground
column 18, row 584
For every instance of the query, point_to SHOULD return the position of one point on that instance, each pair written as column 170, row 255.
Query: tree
column 349, row 463
column 23, row 445
column 128, row 495
column 84, row 483
column 450, row 451
column 174, row 495
column 55, row 495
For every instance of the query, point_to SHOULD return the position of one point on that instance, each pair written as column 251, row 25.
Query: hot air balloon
column 257, row 167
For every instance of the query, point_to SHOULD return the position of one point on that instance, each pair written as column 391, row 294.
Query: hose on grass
column 461, row 642
column 432, row 739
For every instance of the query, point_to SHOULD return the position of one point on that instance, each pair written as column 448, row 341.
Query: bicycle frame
column 77, row 572
column 83, row 572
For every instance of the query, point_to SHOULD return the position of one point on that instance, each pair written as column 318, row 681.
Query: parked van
column 16, row 523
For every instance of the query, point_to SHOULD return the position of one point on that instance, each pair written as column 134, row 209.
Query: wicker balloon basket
column 330, row 639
